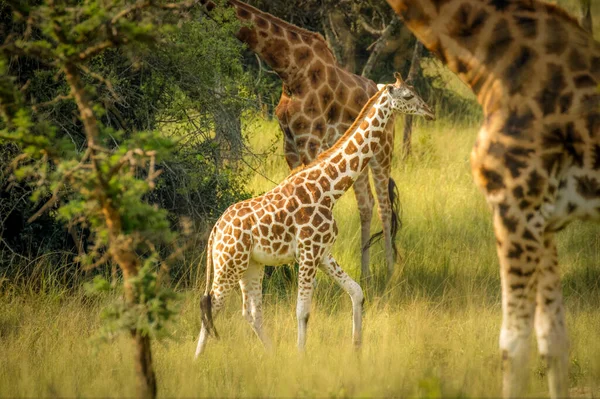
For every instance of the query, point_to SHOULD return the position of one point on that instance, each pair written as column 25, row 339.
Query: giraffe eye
column 408, row 96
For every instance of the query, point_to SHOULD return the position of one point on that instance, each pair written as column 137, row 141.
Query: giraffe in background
column 294, row 221
column 536, row 73
column 319, row 101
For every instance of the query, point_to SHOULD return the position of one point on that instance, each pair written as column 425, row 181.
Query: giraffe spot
column 354, row 163
column 331, row 171
column 326, row 96
column 261, row 22
column 349, row 116
column 493, row 180
column 344, row 184
column 552, row 161
column 593, row 124
column 302, row 195
column 571, row 207
column 502, row 41
column 264, row 230
column 298, row 88
column 364, row 125
column 564, row 138
column 264, row 242
column 311, row 106
column 313, row 190
column 350, row 148
column 276, row 246
column 324, row 183
column 588, row 187
column 243, row 13
column 303, row 56
column 284, row 249
column 517, row 271
column 554, row 85
column 314, row 174
column 557, row 38
column 317, row 220
column 332, row 77
column 466, row 25
column 528, row 235
column 277, row 229
column 500, row 5
column 275, row 28
column 524, row 204
column 596, row 67
column 248, row 36
column 514, row 164
column 576, row 61
column 342, row 166
column 583, row 81
column 333, row 114
column 509, row 222
column 565, row 101
column 527, row 26
column 360, row 98
column 299, row 126
column 303, row 215
column 267, row 219
column 319, row 129
column 518, row 192
column 520, row 70
column 316, row 74
column 293, row 37
column 596, row 165
column 371, row 112
column 323, row 228
column 535, row 184
column 516, row 122
column 322, row 51
column 515, row 251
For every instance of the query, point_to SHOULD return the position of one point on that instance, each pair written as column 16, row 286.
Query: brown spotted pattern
column 294, row 221
column 537, row 156
column 319, row 101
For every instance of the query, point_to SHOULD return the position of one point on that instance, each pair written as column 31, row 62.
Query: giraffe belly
column 278, row 253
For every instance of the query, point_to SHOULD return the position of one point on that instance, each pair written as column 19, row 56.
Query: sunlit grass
column 432, row 332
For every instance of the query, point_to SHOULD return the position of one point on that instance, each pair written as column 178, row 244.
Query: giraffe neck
column 286, row 48
column 499, row 48
column 345, row 161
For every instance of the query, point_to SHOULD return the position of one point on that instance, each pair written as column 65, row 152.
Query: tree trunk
column 415, row 67
column 121, row 251
column 586, row 15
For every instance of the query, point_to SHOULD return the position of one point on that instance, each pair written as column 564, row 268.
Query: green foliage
column 156, row 306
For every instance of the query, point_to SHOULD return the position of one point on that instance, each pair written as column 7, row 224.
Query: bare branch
column 56, row 100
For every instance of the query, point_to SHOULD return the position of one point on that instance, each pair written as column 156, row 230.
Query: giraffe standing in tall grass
column 294, row 221
column 536, row 73
column 319, row 102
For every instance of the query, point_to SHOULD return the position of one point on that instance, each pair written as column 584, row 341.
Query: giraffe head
column 405, row 99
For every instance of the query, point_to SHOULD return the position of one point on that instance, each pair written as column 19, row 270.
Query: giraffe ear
column 380, row 86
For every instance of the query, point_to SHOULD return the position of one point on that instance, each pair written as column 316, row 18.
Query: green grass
column 433, row 333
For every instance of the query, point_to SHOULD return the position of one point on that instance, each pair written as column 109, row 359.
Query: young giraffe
column 319, row 101
column 294, row 221
column 536, row 72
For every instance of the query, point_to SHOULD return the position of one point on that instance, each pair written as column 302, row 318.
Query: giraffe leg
column 331, row 267
column 365, row 201
column 550, row 321
column 518, row 264
column 226, row 274
column 251, row 286
column 306, row 275
column 381, row 178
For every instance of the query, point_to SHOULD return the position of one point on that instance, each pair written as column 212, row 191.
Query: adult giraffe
column 319, row 101
column 535, row 72
column 294, row 221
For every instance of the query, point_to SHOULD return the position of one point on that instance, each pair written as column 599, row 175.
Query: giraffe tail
column 396, row 221
column 206, row 301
